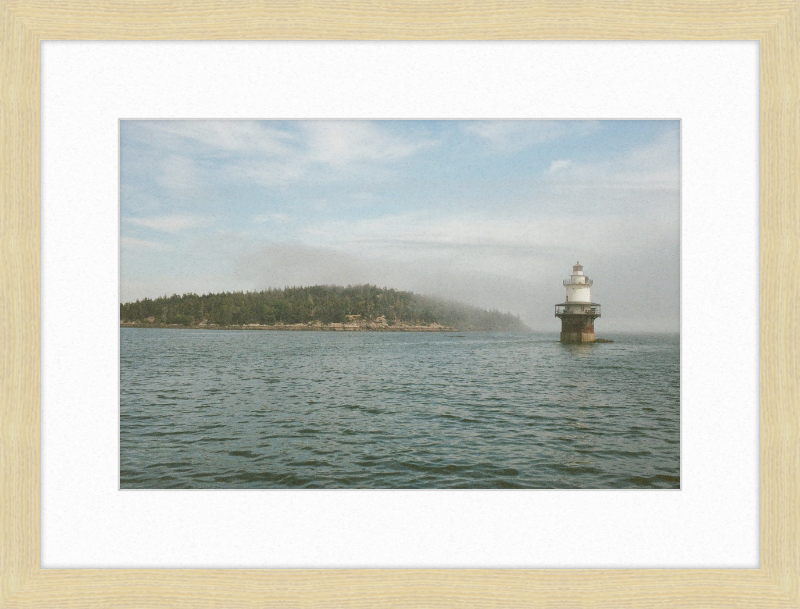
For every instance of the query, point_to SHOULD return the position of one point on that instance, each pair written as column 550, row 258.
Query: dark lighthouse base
column 577, row 329
column 577, row 321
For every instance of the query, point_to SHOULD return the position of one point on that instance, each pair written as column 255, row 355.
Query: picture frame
column 23, row 583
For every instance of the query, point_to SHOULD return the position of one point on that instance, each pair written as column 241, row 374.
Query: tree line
column 324, row 303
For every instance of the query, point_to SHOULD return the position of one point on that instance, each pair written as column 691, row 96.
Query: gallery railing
column 577, row 309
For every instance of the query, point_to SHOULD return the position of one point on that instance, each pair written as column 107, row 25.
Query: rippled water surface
column 269, row 409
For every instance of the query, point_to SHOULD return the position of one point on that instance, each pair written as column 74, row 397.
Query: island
column 357, row 308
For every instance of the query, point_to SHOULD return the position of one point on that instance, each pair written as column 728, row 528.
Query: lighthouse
column 577, row 313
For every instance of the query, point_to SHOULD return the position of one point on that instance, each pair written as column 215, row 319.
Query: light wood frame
column 23, row 24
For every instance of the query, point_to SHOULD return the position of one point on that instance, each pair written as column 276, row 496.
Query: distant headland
column 361, row 308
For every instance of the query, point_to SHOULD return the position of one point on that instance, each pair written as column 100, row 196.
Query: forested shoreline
column 366, row 307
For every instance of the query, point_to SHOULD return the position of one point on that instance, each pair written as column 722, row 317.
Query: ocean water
column 282, row 409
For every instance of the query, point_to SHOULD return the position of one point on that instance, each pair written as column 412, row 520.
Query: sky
column 489, row 213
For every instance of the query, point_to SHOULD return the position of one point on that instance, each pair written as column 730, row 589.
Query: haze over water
column 273, row 409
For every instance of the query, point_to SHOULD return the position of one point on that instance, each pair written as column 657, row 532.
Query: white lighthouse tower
column 577, row 313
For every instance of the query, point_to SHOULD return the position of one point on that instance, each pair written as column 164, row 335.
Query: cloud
column 169, row 224
column 340, row 143
column 559, row 165
column 279, row 218
column 178, row 173
column 513, row 136
column 193, row 155
column 266, row 152
column 222, row 138
column 502, row 244
column 345, row 146
column 655, row 166
column 266, row 172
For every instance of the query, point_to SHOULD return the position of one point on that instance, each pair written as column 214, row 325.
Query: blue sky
column 492, row 213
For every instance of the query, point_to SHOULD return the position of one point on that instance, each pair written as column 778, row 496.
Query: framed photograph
column 211, row 309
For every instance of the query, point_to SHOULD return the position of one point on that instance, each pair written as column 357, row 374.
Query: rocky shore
column 353, row 325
